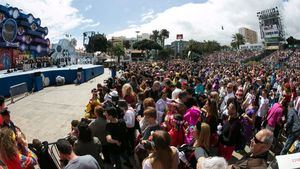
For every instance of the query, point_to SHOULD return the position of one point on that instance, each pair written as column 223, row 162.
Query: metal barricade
column 18, row 89
column 53, row 151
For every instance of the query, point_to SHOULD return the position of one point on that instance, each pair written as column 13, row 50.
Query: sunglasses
column 256, row 141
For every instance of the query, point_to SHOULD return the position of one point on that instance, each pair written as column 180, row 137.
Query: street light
column 137, row 35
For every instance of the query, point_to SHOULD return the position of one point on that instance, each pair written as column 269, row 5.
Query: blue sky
column 114, row 15
column 195, row 19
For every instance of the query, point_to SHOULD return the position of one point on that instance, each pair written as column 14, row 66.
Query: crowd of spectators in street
column 177, row 114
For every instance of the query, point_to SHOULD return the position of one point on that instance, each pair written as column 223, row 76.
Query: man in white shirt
column 230, row 94
column 262, row 110
column 161, row 106
column 176, row 92
column 129, row 119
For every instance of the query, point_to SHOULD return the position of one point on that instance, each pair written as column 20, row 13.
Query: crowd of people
column 176, row 114
column 278, row 57
column 230, row 56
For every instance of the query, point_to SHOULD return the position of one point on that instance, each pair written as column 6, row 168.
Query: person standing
column 116, row 138
column 292, row 127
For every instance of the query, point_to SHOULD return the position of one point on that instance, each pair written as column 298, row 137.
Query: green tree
column 118, row 50
column 126, row 44
column 237, row 40
column 146, row 45
column 225, row 48
column 155, row 35
column 164, row 34
column 97, row 42
column 211, row 46
column 163, row 54
column 194, row 46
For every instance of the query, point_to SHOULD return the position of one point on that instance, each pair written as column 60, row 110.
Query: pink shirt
column 275, row 114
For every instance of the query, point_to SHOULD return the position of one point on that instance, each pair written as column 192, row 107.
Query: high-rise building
column 249, row 35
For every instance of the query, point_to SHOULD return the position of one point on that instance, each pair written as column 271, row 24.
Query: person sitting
column 259, row 147
column 87, row 144
column 94, row 101
column 163, row 155
column 66, row 152
column 14, row 151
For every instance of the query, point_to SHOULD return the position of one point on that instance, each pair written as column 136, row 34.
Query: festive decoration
column 21, row 32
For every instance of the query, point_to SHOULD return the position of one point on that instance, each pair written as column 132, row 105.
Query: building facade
column 249, row 35
column 178, row 47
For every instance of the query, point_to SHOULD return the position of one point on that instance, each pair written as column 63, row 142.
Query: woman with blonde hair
column 14, row 151
column 128, row 95
column 163, row 156
column 202, row 140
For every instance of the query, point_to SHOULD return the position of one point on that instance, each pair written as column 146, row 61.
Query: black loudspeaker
column 36, row 74
column 79, row 69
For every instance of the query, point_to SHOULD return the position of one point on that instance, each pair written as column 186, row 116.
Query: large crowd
column 175, row 114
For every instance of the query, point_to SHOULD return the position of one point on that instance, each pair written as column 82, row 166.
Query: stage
column 34, row 78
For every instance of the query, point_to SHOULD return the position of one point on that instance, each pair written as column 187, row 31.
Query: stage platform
column 34, row 79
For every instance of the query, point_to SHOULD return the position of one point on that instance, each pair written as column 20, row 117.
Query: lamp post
column 137, row 35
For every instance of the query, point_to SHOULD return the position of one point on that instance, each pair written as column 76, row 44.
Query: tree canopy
column 97, row 42
column 237, row 40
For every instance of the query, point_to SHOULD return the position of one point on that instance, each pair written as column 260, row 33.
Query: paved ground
column 47, row 114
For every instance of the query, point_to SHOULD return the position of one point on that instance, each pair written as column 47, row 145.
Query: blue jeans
column 289, row 141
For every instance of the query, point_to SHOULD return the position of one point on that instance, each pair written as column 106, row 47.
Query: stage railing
column 17, row 90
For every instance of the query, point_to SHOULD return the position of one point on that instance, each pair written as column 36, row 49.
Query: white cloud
column 203, row 21
column 58, row 15
column 91, row 25
column 88, row 7
column 148, row 16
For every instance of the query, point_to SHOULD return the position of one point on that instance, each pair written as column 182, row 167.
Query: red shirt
column 1, row 120
column 177, row 137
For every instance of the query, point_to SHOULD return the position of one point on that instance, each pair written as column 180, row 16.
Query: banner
column 179, row 36
column 289, row 161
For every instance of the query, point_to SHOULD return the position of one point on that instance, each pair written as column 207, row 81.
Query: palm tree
column 155, row 35
column 237, row 40
column 164, row 34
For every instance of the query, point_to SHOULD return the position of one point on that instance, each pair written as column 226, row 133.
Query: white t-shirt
column 129, row 118
column 263, row 107
column 161, row 106
column 175, row 93
column 223, row 105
